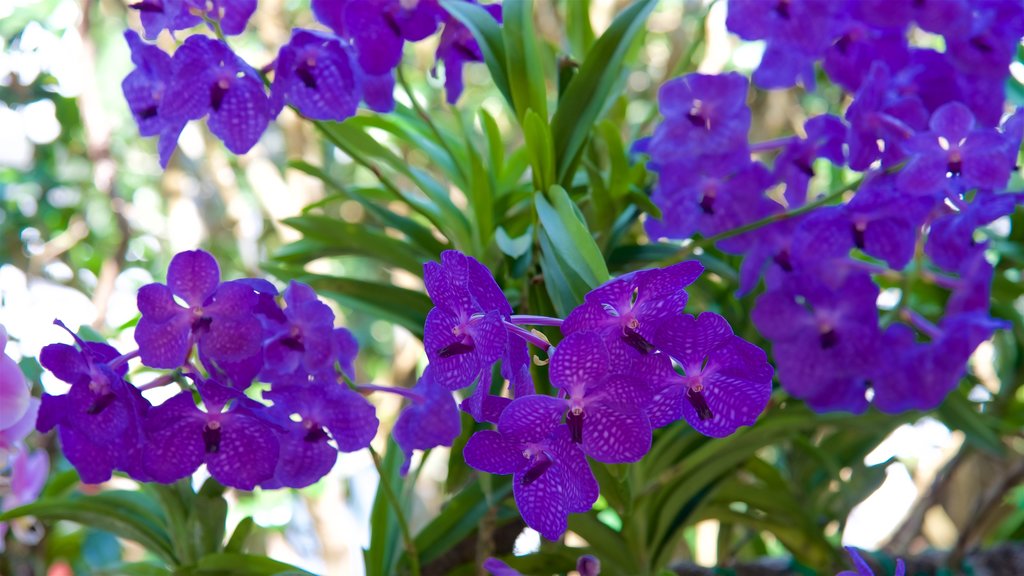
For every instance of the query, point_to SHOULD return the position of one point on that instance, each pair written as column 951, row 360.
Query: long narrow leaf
column 589, row 92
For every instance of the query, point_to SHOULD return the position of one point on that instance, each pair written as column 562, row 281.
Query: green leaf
column 514, row 247
column 207, row 518
column 245, row 565
column 570, row 237
column 238, row 538
column 351, row 137
column 106, row 511
column 331, row 236
column 564, row 286
column 402, row 306
column 522, row 60
column 487, row 33
column 385, row 533
column 418, row 234
column 578, row 27
column 540, row 147
column 133, row 569
column 459, row 518
column 590, row 91
column 958, row 413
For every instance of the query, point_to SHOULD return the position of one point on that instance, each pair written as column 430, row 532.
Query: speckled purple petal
column 351, row 419
column 489, row 452
column 247, row 454
column 94, row 462
column 616, row 434
column 447, row 282
column 531, row 418
column 688, row 339
column 307, row 458
column 580, row 486
column 543, row 503
column 243, row 114
column 65, row 361
column 235, row 14
column 737, row 388
column 379, row 45
column 579, row 360
column 429, row 423
column 193, row 276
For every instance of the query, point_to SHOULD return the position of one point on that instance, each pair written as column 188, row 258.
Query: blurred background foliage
column 87, row 217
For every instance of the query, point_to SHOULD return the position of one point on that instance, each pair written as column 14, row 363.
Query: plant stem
column 123, row 358
column 404, row 392
column 403, row 524
column 530, row 337
column 536, row 320
column 771, row 144
column 430, row 123
column 773, row 219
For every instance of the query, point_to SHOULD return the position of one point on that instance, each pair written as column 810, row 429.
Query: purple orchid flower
column 316, row 74
column 209, row 79
column 826, row 135
column 231, row 16
column 726, row 381
column 706, row 123
column 457, row 47
column 29, row 471
column 796, row 32
column 879, row 114
column 99, row 420
column 627, row 311
column 954, row 156
column 823, row 340
column 219, row 316
column 239, row 448
column 305, row 340
column 551, row 477
column 160, row 15
column 14, row 390
column 465, row 333
column 431, row 420
column 605, row 412
column 862, row 567
column 379, row 29
column 144, row 89
column 325, row 410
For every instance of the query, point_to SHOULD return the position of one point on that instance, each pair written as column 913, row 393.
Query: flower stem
column 921, row 323
column 536, row 320
column 771, row 144
column 530, row 337
column 685, row 251
column 404, row 392
column 161, row 381
column 403, row 524
column 123, row 358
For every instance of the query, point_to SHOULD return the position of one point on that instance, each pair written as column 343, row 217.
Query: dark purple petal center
column 828, row 338
column 540, row 464
column 217, row 93
column 696, row 398
column 211, row 437
column 633, row 338
column 575, row 421
column 305, row 72
column 101, row 404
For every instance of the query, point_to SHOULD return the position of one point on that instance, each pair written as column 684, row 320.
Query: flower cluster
column 630, row 361
column 926, row 128
column 221, row 339
column 323, row 75
column 26, row 469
